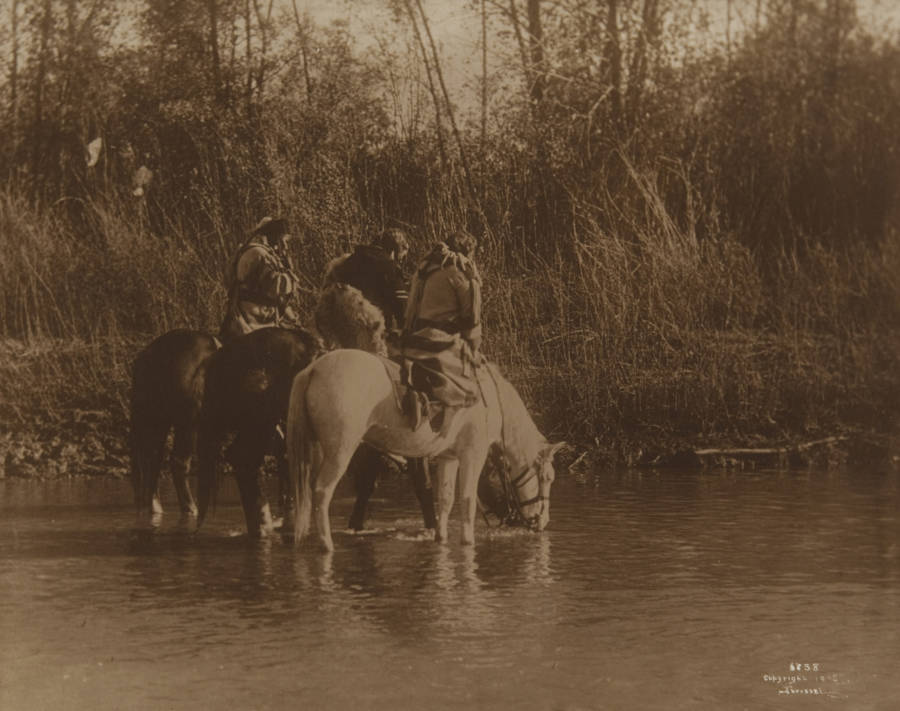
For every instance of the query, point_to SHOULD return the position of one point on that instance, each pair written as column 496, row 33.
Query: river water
column 669, row 590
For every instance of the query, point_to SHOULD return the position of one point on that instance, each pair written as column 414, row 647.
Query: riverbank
column 63, row 409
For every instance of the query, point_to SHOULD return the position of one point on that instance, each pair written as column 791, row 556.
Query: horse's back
column 174, row 347
column 272, row 348
column 351, row 372
column 251, row 375
column 165, row 372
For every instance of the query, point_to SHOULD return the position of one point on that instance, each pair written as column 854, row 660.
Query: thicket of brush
column 705, row 249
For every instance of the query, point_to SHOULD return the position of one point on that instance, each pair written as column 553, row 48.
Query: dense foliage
column 687, row 225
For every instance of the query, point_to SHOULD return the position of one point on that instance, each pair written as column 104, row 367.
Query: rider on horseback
column 446, row 292
column 442, row 324
column 376, row 270
column 261, row 282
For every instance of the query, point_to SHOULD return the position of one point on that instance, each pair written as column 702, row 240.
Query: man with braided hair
column 442, row 324
column 261, row 282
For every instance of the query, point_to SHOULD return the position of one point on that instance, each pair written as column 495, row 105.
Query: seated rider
column 376, row 270
column 261, row 282
column 442, row 324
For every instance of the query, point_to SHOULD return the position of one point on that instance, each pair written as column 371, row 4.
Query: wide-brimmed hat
column 271, row 227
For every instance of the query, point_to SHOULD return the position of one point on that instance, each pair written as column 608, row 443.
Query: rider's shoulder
column 253, row 247
column 260, row 251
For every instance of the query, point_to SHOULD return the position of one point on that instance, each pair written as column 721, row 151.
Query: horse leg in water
column 246, row 455
column 183, row 445
column 331, row 469
column 466, row 470
column 471, row 462
column 363, row 467
column 285, row 495
column 445, row 478
column 418, row 474
column 148, row 441
column 209, row 445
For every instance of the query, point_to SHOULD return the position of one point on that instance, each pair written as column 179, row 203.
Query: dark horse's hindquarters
column 167, row 389
column 248, row 383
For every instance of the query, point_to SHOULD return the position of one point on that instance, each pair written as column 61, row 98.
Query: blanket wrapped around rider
column 442, row 327
column 441, row 365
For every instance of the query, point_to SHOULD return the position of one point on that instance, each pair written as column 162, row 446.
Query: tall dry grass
column 76, row 307
column 627, row 341
column 653, row 338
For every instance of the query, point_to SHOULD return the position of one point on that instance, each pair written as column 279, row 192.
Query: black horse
column 248, row 383
column 166, row 393
column 182, row 381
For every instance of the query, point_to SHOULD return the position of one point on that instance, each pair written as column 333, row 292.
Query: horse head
column 528, row 490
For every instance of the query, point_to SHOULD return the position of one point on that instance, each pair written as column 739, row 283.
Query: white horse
column 347, row 397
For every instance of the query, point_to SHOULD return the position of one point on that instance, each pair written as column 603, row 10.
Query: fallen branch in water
column 763, row 451
column 731, row 456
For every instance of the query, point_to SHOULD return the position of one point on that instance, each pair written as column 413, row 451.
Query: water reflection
column 641, row 580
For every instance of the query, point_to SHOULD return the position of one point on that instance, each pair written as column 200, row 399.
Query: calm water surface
column 648, row 591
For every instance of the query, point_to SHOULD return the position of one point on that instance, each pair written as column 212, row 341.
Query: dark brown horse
column 166, row 393
column 248, row 383
column 182, row 382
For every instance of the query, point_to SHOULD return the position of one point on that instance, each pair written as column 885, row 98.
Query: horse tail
column 300, row 442
column 207, row 466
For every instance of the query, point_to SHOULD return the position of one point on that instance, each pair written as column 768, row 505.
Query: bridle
column 512, row 485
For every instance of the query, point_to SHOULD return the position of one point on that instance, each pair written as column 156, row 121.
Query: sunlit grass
column 625, row 343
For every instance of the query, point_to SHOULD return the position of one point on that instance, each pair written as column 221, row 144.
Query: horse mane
column 519, row 434
column 347, row 319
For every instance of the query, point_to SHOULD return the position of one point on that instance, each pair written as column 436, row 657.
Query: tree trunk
column 438, row 118
column 836, row 17
column 523, row 50
column 484, row 75
column 728, row 30
column 301, row 34
column 263, row 22
column 536, row 51
column 213, row 9
column 231, row 75
column 440, row 75
column 37, row 132
column 248, row 88
column 647, row 38
column 14, row 77
column 792, row 26
column 613, row 52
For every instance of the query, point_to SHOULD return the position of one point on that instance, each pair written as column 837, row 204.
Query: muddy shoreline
column 64, row 413
column 93, row 443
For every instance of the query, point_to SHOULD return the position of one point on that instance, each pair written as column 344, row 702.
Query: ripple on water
column 648, row 592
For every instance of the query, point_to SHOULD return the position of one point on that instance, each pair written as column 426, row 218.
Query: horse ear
column 550, row 451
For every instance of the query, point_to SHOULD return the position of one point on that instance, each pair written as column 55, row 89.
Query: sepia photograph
column 502, row 355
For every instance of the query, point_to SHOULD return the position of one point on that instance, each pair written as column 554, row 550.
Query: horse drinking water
column 348, row 396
